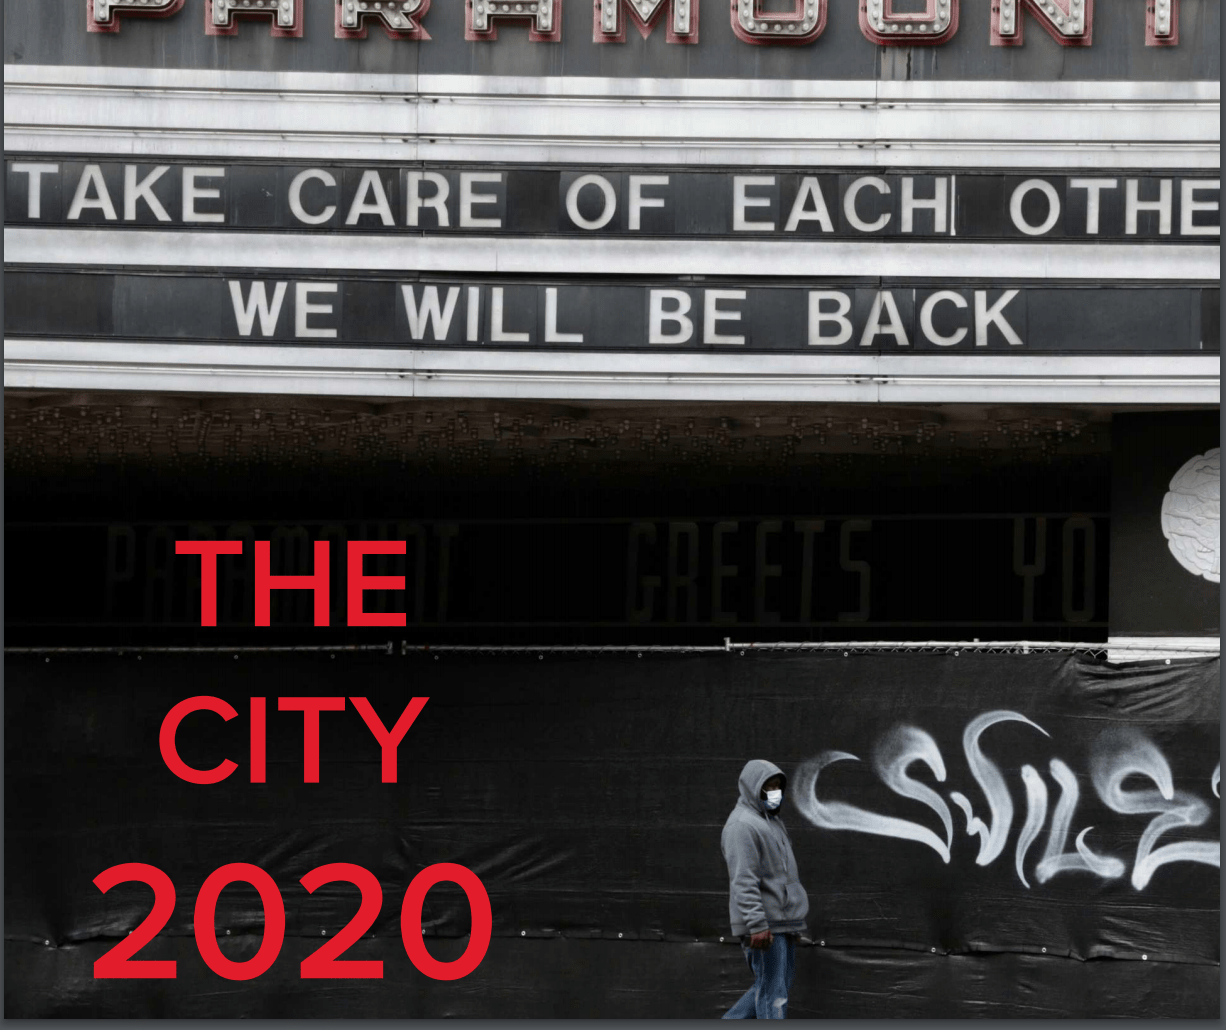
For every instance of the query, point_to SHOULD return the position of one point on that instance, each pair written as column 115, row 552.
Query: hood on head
column 756, row 772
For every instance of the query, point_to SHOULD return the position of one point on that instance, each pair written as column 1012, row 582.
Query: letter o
column 610, row 201
column 1053, row 206
column 410, row 921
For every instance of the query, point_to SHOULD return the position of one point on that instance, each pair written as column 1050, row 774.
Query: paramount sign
column 756, row 22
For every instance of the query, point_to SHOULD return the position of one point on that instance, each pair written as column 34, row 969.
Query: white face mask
column 774, row 798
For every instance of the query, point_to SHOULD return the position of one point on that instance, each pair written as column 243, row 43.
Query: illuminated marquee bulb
column 401, row 19
column 803, row 25
column 1068, row 22
column 936, row 24
column 610, row 27
column 104, row 15
column 221, row 16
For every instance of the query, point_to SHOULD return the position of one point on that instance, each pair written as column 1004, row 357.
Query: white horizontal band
column 371, row 372
column 602, row 255
column 1144, row 649
column 169, row 112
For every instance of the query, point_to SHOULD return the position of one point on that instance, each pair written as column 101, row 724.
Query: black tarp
column 588, row 794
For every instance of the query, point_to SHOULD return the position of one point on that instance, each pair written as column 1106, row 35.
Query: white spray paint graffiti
column 897, row 750
column 992, row 783
column 1055, row 859
column 1036, row 815
column 1126, row 754
column 837, row 815
column 1116, row 756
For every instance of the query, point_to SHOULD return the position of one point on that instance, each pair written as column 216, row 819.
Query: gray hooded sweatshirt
column 764, row 891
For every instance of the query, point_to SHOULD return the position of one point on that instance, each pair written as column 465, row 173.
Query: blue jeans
column 774, row 969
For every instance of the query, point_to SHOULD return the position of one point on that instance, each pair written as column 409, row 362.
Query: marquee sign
column 836, row 570
column 1090, row 205
column 814, row 316
column 1068, row 22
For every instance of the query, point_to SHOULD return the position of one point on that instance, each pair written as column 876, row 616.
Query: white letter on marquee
column 192, row 193
column 370, row 182
column 1189, row 205
column 544, row 18
column 221, row 16
column 257, row 303
column 994, row 315
column 606, row 213
column 938, row 204
column 1093, row 188
column 1068, row 22
column 400, row 20
column 551, row 320
column 752, row 25
column 1053, row 207
column 884, row 301
column 498, row 334
column 740, row 201
column 438, row 202
column 101, row 199
column 104, row 15
column 712, row 314
column 143, row 190
column 468, row 198
column 809, row 187
column 1133, row 204
column 34, row 192
column 936, row 24
column 638, row 202
column 958, row 301
column 295, row 196
column 429, row 312
column 849, row 204
column 303, row 308
column 609, row 26
column 817, row 316
column 679, row 315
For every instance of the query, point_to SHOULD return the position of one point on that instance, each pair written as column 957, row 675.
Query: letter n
column 104, row 15
column 544, row 18
column 1068, row 22
column 609, row 19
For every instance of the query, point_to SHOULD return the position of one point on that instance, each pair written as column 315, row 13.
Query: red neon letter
column 310, row 707
column 208, row 551
column 410, row 921
column 389, row 741
column 166, row 739
column 265, row 582
column 358, row 582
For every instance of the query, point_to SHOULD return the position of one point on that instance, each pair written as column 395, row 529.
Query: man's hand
column 761, row 941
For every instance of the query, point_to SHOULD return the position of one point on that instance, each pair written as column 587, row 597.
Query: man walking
column 766, row 902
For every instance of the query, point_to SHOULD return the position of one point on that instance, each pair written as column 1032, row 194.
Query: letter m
column 245, row 311
column 609, row 19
